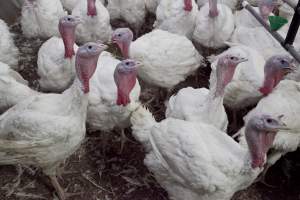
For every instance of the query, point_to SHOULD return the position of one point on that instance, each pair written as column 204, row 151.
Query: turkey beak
column 243, row 60
column 292, row 66
column 281, row 125
column 101, row 45
column 138, row 64
column 78, row 20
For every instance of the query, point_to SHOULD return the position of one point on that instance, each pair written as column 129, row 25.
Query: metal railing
column 286, row 43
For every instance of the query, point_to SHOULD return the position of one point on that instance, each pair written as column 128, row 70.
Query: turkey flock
column 83, row 83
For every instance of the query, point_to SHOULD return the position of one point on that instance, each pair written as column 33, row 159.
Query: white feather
column 92, row 28
column 56, row 72
column 42, row 19
column 13, row 88
column 171, row 16
column 103, row 112
column 214, row 32
column 9, row 53
column 167, row 58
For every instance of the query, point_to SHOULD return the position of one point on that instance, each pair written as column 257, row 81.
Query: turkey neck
column 272, row 78
column 213, row 8
column 188, row 5
column 223, row 76
column 78, row 100
column 91, row 8
column 68, row 37
column 214, row 102
column 259, row 143
column 269, row 84
column 125, row 48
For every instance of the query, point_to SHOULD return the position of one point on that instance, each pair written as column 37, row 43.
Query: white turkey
column 232, row 4
column 56, row 57
column 214, row 25
column 283, row 99
column 259, row 39
column 177, row 16
column 286, row 11
column 167, row 58
column 13, row 88
column 194, row 160
column 70, row 4
column 242, row 91
column 45, row 129
column 9, row 53
column 203, row 105
column 151, row 5
column 245, row 18
column 132, row 11
column 95, row 21
column 40, row 18
column 111, row 105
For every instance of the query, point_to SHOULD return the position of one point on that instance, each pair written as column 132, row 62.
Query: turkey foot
column 124, row 139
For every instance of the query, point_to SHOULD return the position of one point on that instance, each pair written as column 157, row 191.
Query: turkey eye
column 69, row 19
column 90, row 47
column 282, row 62
column 231, row 58
column 269, row 120
column 119, row 35
column 127, row 63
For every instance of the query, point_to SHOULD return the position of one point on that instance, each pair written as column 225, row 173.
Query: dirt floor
column 96, row 172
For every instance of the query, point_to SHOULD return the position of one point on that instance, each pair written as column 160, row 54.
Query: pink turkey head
column 225, row 70
column 188, row 5
column 125, row 79
column 260, row 133
column 123, row 38
column 66, row 26
column 91, row 8
column 86, row 62
column 275, row 69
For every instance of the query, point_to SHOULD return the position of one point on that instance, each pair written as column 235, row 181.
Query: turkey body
column 230, row 3
column 70, row 4
column 8, row 51
column 213, row 32
column 248, row 77
column 259, row 39
column 198, row 105
column 245, row 18
column 92, row 28
column 167, row 58
column 41, row 18
column 13, row 88
column 41, row 124
column 193, row 170
column 193, row 160
column 284, row 100
column 132, row 11
column 151, row 5
column 103, row 111
column 56, row 72
column 171, row 16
